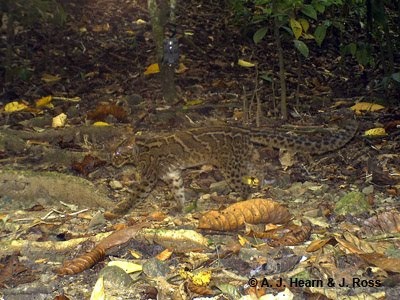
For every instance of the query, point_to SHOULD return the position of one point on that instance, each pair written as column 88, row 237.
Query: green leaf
column 396, row 76
column 229, row 289
column 259, row 35
column 352, row 48
column 287, row 29
column 301, row 47
column 363, row 57
column 319, row 7
column 23, row 73
column 309, row 11
column 320, row 34
column 266, row 77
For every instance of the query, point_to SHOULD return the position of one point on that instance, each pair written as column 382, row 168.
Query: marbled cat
column 227, row 148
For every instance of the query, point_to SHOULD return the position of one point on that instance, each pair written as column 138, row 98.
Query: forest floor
column 57, row 183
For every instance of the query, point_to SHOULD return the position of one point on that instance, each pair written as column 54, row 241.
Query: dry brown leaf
column 391, row 264
column 386, row 222
column 201, row 290
column 288, row 235
column 177, row 240
column 317, row 244
column 254, row 211
column 349, row 246
column 88, row 259
column 82, row 262
column 166, row 254
column 103, row 110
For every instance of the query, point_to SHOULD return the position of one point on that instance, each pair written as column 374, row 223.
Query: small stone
column 368, row 190
column 116, row 185
column 97, row 220
column 115, row 278
column 133, row 99
column 220, row 187
column 73, row 111
column 205, row 197
column 153, row 267
column 313, row 213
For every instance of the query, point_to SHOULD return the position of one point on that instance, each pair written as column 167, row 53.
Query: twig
column 245, row 108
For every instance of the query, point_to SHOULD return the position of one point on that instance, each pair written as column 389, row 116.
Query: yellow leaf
column 128, row 267
column 50, row 78
column 98, row 292
column 245, row 64
column 185, row 274
column 242, row 240
column 296, row 28
column 135, row 254
column 43, row 101
column 181, row 69
column 140, row 21
column 152, row 69
column 307, row 36
column 360, row 106
column 193, row 102
column 379, row 131
column 202, row 278
column 304, row 24
column 99, row 123
column 339, row 103
column 59, row 121
column 14, row 106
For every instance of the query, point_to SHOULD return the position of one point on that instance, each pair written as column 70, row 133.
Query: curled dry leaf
column 386, row 222
column 103, row 110
column 177, row 240
column 254, row 211
column 200, row 290
column 10, row 270
column 285, row 235
column 391, row 264
column 87, row 260
column 82, row 263
column 280, row 265
column 317, row 244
